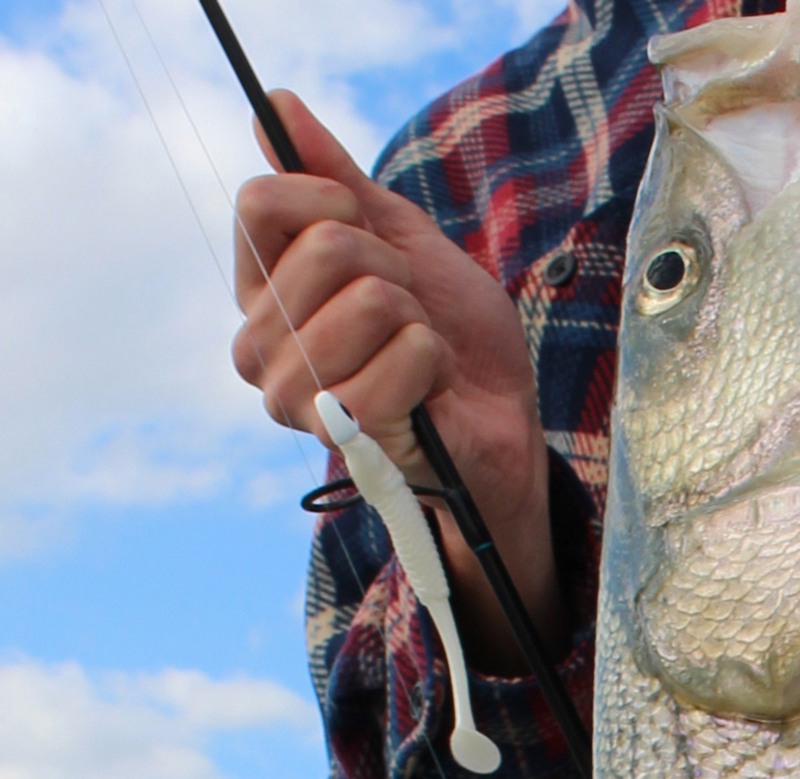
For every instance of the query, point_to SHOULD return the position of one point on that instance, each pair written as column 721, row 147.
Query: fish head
column 707, row 409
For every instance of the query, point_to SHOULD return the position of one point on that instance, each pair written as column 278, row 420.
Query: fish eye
column 666, row 270
column 670, row 274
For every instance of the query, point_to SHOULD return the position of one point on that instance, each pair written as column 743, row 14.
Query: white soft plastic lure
column 377, row 479
column 382, row 485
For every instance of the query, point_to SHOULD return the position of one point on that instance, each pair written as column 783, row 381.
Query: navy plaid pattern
column 536, row 158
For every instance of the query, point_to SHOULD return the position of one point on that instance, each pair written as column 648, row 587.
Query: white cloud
column 532, row 14
column 112, row 315
column 115, row 381
column 286, row 483
column 126, row 471
column 111, row 311
column 238, row 702
column 59, row 722
column 27, row 536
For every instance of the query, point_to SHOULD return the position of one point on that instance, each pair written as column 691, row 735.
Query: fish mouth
column 720, row 618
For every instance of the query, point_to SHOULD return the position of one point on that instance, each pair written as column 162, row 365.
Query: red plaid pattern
column 540, row 155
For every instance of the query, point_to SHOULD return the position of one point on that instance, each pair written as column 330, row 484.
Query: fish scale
column 749, row 369
column 698, row 660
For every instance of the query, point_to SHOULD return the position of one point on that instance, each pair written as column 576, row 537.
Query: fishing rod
column 455, row 493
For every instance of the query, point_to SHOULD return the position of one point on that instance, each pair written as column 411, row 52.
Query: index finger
column 271, row 212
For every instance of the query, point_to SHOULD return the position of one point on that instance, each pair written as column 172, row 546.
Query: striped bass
column 698, row 660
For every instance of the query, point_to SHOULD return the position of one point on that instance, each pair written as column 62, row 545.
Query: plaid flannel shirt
column 532, row 167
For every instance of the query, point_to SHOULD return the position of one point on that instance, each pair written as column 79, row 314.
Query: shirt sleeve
column 379, row 666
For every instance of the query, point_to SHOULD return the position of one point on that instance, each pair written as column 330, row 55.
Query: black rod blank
column 270, row 122
column 459, row 501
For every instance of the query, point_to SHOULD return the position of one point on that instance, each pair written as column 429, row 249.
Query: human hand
column 392, row 313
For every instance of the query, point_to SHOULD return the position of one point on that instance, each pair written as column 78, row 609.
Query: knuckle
column 254, row 198
column 280, row 399
column 273, row 405
column 329, row 245
column 329, row 236
column 380, row 301
column 373, row 301
column 333, row 190
column 344, row 203
column 424, row 342
column 245, row 358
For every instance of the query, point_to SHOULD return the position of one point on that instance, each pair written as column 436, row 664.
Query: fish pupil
column 666, row 270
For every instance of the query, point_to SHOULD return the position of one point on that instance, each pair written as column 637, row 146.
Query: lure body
column 382, row 485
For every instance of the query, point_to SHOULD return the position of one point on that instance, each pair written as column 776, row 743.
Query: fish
column 698, row 638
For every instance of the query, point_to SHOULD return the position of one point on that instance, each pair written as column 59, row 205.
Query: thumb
column 322, row 155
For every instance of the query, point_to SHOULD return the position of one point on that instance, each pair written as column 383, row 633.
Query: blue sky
column 152, row 551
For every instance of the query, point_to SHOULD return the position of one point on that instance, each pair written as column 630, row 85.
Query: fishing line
column 458, row 498
column 231, row 203
column 199, row 220
column 414, row 708
column 207, row 238
column 459, row 501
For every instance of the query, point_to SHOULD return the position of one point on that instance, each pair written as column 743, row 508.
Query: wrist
column 523, row 541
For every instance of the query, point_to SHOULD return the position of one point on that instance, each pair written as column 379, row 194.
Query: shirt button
column 416, row 700
column 560, row 269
